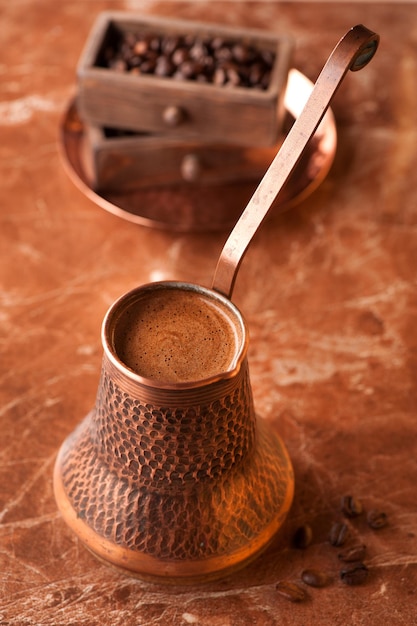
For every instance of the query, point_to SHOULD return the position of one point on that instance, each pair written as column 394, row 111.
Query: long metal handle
column 352, row 52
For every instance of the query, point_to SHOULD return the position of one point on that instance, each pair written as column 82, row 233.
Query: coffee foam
column 177, row 335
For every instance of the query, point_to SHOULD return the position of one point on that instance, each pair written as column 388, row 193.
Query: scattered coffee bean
column 351, row 507
column 203, row 59
column 354, row 574
column 315, row 578
column 290, row 591
column 303, row 537
column 338, row 534
column 354, row 553
column 376, row 519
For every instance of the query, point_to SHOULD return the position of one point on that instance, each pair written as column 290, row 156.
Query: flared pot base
column 190, row 534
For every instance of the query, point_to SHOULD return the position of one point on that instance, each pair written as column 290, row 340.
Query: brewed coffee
column 177, row 335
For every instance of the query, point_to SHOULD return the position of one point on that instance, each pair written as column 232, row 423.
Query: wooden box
column 178, row 107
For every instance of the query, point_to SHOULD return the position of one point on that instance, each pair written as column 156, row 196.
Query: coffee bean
column 268, row 57
column 141, row 47
column 188, row 69
column 219, row 77
column 130, row 39
column 154, row 44
column 164, row 67
column 353, row 553
column 223, row 54
column 180, row 55
column 169, row 44
column 199, row 51
column 338, row 534
column 255, row 74
column 215, row 60
column 315, row 578
column 303, row 537
column 351, row 507
column 217, row 42
column 119, row 65
column 233, row 77
column 188, row 40
column 135, row 61
column 354, row 573
column 125, row 53
column 242, row 54
column 290, row 591
column 265, row 80
column 377, row 519
column 147, row 67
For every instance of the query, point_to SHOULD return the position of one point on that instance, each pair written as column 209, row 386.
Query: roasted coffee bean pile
column 202, row 59
column 352, row 569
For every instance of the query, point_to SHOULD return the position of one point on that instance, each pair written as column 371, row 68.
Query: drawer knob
column 190, row 167
column 173, row 116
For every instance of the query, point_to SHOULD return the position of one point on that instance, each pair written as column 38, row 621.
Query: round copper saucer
column 201, row 207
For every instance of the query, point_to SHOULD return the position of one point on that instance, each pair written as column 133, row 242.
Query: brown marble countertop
column 329, row 291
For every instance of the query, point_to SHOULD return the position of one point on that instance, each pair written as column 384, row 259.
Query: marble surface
column 329, row 291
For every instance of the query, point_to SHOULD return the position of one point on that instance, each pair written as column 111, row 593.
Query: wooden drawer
column 182, row 108
column 114, row 162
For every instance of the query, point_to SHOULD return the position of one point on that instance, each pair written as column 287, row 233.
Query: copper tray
column 200, row 207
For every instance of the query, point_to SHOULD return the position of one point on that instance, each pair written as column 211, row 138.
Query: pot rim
column 122, row 304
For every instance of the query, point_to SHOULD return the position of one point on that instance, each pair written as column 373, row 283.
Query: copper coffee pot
column 179, row 481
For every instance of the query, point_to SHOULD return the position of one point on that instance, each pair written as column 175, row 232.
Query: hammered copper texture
column 169, row 447
column 178, row 484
